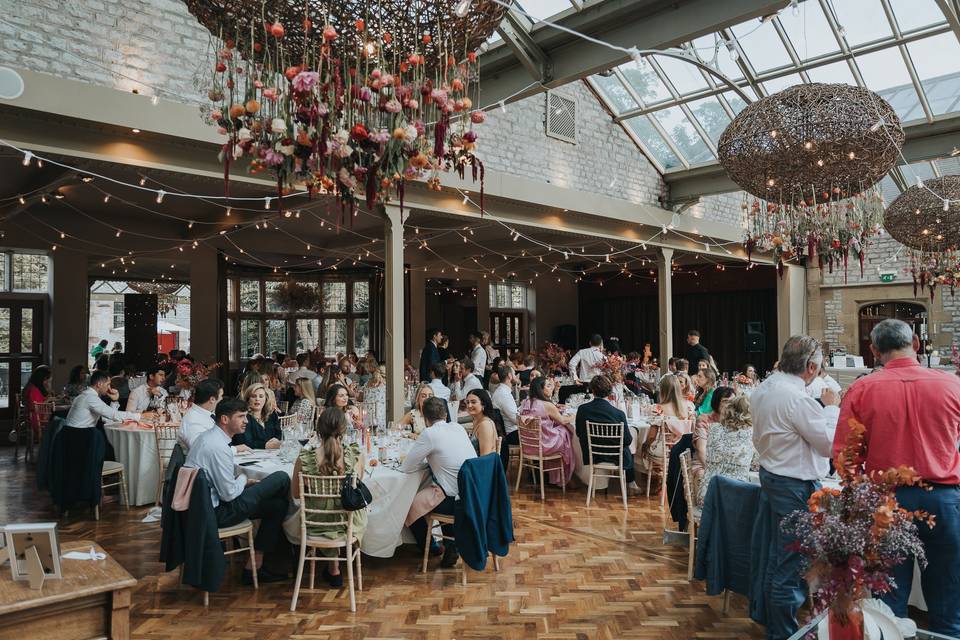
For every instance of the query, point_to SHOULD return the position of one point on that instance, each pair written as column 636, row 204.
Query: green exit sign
column 888, row 277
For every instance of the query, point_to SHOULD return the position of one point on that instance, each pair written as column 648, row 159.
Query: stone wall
column 724, row 207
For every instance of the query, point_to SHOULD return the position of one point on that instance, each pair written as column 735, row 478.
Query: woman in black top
column 263, row 421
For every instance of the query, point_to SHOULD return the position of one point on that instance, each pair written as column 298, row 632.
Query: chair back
column 166, row 436
column 530, row 435
column 686, row 474
column 282, row 406
column 453, row 409
column 321, row 488
column 288, row 422
column 43, row 411
column 605, row 439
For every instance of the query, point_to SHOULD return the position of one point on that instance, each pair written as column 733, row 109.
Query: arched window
column 872, row 314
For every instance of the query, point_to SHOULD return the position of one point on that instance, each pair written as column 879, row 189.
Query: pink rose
column 305, row 80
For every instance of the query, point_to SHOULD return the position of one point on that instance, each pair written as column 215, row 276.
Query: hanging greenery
column 295, row 296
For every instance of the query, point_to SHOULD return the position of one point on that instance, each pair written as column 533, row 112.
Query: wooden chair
column 282, row 406
column 606, row 440
column 326, row 488
column 21, row 428
column 166, row 437
column 693, row 511
column 531, row 437
column 288, row 422
column 111, row 468
column 243, row 528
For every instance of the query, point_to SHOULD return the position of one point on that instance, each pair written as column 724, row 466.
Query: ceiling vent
column 561, row 117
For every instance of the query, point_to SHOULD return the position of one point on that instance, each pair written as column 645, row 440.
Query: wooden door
column 872, row 315
column 507, row 331
column 21, row 348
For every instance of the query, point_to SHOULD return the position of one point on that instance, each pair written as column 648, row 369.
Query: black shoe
column 435, row 549
column 263, row 576
column 450, row 556
column 335, row 581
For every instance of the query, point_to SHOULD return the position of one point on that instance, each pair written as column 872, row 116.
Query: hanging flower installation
column 352, row 97
column 810, row 154
column 923, row 219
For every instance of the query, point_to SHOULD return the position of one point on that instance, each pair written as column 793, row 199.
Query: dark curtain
column 140, row 329
column 633, row 319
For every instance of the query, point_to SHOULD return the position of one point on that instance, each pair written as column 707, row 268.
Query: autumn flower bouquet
column 189, row 374
column 553, row 357
column 613, row 366
column 852, row 537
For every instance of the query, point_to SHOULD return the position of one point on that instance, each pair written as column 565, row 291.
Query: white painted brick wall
column 724, row 207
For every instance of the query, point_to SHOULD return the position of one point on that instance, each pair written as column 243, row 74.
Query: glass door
column 21, row 348
column 507, row 333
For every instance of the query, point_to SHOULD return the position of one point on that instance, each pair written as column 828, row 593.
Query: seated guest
column 151, row 395
column 726, row 449
column 706, row 382
column 523, row 372
column 556, row 431
column 328, row 457
column 375, row 388
column 87, row 408
column 102, row 363
column 263, row 421
column 467, row 382
column 368, row 366
column 672, row 365
column 199, row 417
column 120, row 375
column 443, row 447
column 414, row 417
column 493, row 379
column 304, row 369
column 437, row 371
column 35, row 392
column 236, row 499
column 750, row 373
column 600, row 410
column 682, row 365
column 305, row 407
column 673, row 405
column 344, row 375
column 339, row 398
column 504, row 402
column 76, row 382
column 454, row 378
column 249, row 379
column 480, row 410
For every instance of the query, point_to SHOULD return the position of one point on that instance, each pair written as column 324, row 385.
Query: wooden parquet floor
column 574, row 573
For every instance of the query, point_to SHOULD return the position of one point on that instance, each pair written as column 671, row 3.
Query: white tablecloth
column 136, row 450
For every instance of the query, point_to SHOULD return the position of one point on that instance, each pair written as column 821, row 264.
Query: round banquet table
column 136, row 450
column 392, row 491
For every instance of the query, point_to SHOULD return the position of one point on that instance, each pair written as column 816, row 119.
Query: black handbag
column 354, row 498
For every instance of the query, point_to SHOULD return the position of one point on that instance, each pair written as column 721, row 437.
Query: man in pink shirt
column 912, row 418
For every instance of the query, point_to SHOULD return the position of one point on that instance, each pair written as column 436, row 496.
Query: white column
column 791, row 303
column 665, row 300
column 393, row 309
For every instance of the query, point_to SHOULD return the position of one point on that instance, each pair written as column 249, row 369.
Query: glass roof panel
column 684, row 135
column 543, row 9
column 685, row 77
column 762, row 45
column 885, row 73
column 922, row 170
column 711, row 116
column 888, row 189
column 850, row 15
column 654, row 144
column 705, row 48
column 832, row 73
column 779, row 84
column 736, row 102
column 616, row 94
column 948, row 166
column 808, row 31
column 645, row 82
column 937, row 61
column 916, row 14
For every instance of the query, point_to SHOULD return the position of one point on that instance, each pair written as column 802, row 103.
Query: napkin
column 93, row 554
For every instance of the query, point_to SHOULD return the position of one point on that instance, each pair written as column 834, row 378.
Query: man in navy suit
column 430, row 354
column 601, row 410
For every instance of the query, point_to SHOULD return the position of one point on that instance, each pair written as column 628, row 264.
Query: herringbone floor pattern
column 574, row 572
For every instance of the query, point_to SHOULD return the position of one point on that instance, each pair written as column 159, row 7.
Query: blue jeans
column 941, row 578
column 783, row 583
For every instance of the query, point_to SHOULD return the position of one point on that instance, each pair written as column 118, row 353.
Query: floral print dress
column 728, row 453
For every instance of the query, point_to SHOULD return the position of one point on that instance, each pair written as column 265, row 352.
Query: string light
column 160, row 195
column 27, row 157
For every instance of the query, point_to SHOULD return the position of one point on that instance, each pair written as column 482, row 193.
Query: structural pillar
column 791, row 303
column 483, row 304
column 665, row 300
column 204, row 305
column 393, row 308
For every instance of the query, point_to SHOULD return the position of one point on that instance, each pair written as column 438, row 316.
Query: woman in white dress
column 727, row 449
column 414, row 417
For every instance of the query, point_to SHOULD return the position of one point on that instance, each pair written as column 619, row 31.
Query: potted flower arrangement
column 852, row 537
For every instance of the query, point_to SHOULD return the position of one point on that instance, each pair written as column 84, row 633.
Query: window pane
column 26, row 368
column 915, row 14
column 249, row 338
column 704, row 48
column 616, row 94
column 118, row 314
column 779, row 84
column 29, row 272
column 308, row 334
column 231, row 344
column 26, row 331
column 270, row 286
column 309, row 285
column 835, row 72
column 276, row 336
column 736, row 102
column 711, row 116
column 3, row 272
column 646, row 83
column 361, row 296
column 335, row 297
column 936, row 58
column 250, row 295
column 809, row 32
column 334, row 336
column 516, row 296
column 763, row 46
column 652, row 141
column 361, row 335
column 4, row 329
column 685, row 77
column 4, row 385
column 686, row 138
column 885, row 73
column 543, row 9
column 231, row 302
column 850, row 15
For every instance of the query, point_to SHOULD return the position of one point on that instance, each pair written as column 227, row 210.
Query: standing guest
column 304, row 369
column 102, row 363
column 585, row 364
column 150, row 395
column 440, row 390
column 263, row 421
column 443, row 347
column 481, row 412
column 491, row 351
column 443, row 447
column 238, row 498
column 706, row 383
column 468, row 381
column 454, row 378
column 35, row 392
column 648, row 359
column 556, row 431
column 912, row 418
column 430, row 354
column 613, row 345
column 726, row 449
column 305, row 407
column 504, row 402
column 696, row 351
column 98, row 349
column 414, row 417
column 822, row 381
column 117, row 348
column 793, row 434
column 76, row 382
column 338, row 397
column 477, row 355
column 600, row 410
column 329, row 457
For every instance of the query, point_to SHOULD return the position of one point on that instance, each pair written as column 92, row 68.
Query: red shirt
column 912, row 416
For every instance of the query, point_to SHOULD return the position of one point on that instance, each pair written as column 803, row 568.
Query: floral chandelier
column 921, row 219
column 811, row 155
column 352, row 97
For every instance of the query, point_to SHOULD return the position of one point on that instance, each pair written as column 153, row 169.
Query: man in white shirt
column 237, row 498
column 437, row 371
column 793, row 434
column 200, row 418
column 469, row 382
column 150, row 395
column 821, row 382
column 585, row 364
column 506, row 404
column 87, row 408
column 303, row 361
column 477, row 353
column 443, row 447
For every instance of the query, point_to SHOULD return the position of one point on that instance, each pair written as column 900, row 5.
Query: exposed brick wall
column 724, row 207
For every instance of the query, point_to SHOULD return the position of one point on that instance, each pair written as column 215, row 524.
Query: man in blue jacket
column 430, row 354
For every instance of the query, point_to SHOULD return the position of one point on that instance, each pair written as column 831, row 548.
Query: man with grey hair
column 793, row 434
column 912, row 418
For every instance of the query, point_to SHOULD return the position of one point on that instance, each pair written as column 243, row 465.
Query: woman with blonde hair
column 415, row 415
column 727, row 449
column 263, row 421
column 328, row 457
column 686, row 385
column 673, row 414
column 305, row 408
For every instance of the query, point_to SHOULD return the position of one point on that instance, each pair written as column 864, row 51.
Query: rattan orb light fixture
column 451, row 27
column 919, row 219
column 812, row 143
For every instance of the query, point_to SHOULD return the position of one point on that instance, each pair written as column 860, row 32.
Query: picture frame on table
column 34, row 551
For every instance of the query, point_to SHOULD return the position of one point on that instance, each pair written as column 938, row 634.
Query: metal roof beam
column 527, row 51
